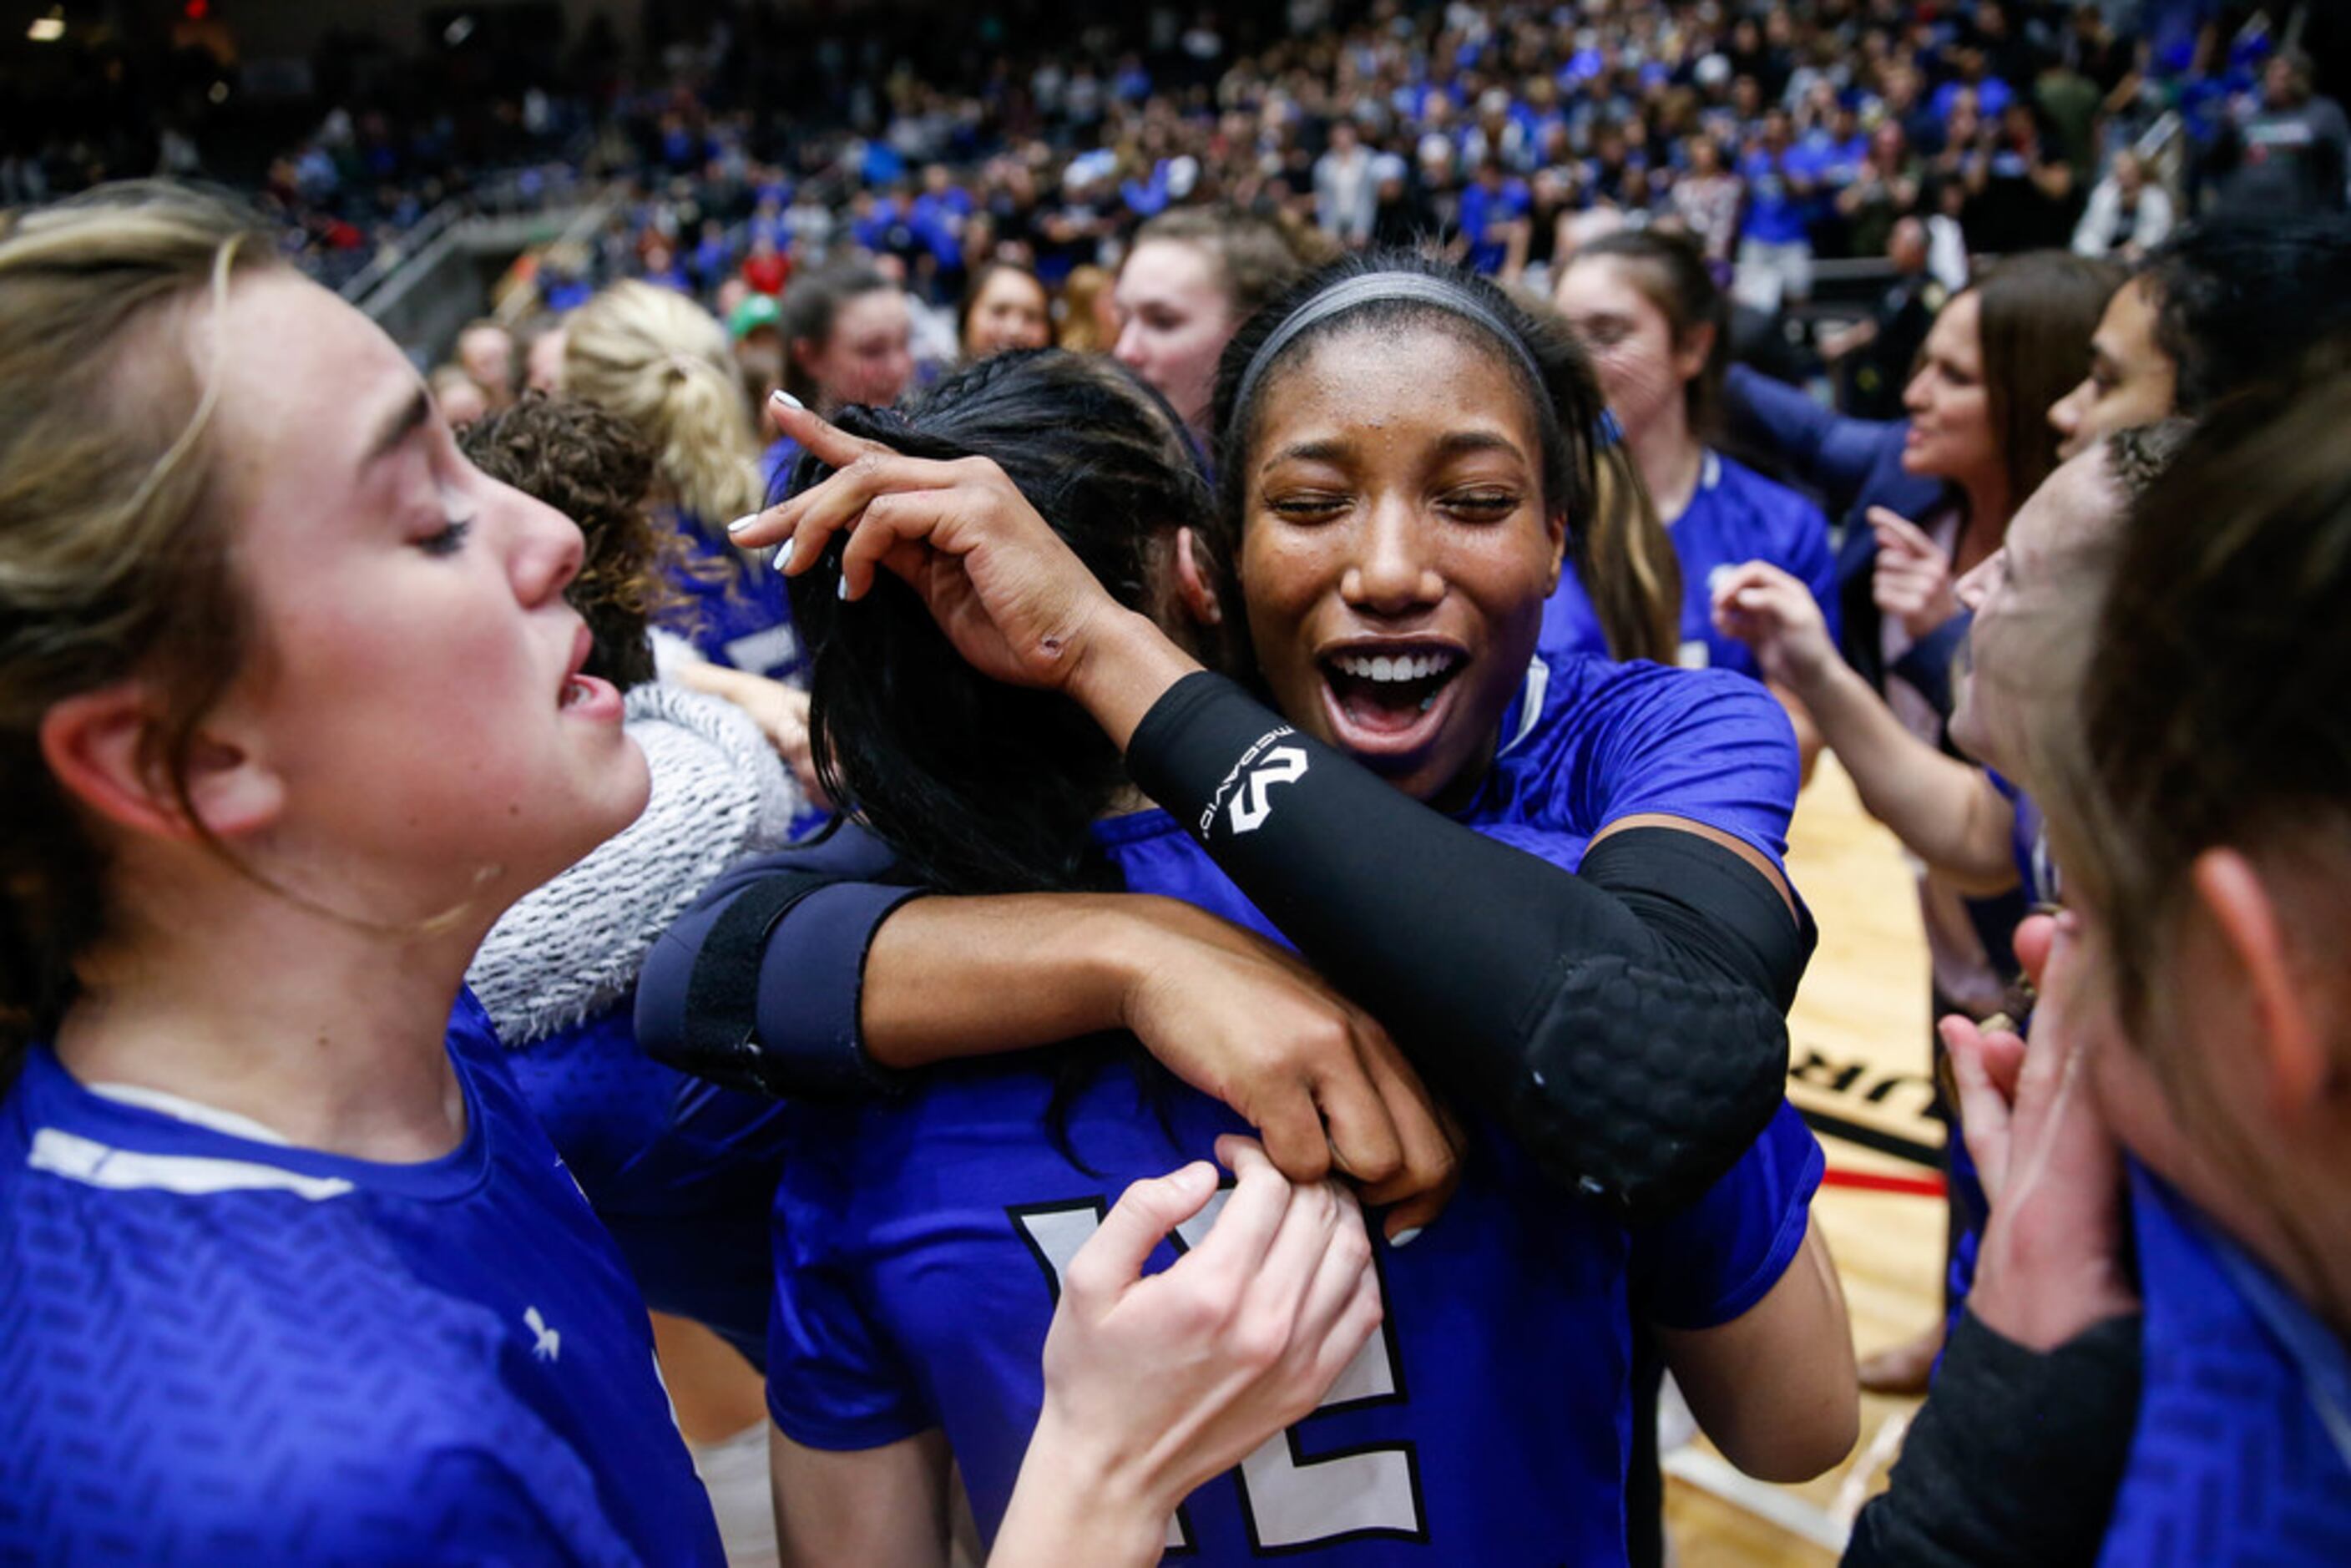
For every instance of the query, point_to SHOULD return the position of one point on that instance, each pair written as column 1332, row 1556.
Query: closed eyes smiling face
column 1397, row 549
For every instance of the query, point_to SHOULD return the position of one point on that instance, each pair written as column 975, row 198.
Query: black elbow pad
column 1657, row 1081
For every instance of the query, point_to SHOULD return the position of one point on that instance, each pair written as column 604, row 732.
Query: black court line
column 1894, row 1145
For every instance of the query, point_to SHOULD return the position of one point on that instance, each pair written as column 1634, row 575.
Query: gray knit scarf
column 572, row 948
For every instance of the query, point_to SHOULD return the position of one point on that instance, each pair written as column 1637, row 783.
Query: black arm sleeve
column 757, row 986
column 2016, row 1457
column 1625, row 1023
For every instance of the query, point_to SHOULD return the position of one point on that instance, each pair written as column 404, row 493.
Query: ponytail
column 1625, row 560
column 709, row 470
column 661, row 363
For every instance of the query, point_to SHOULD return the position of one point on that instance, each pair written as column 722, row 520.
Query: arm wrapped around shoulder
column 757, row 987
column 1624, row 1023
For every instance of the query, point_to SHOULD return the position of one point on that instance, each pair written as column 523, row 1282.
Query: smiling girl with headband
column 1403, row 453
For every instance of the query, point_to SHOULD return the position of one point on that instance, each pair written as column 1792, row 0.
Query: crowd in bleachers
column 1776, row 135
column 1775, row 138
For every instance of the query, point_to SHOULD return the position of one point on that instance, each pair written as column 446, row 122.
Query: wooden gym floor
column 1858, row 1033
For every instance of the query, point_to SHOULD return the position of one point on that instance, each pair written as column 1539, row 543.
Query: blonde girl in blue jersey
column 290, row 710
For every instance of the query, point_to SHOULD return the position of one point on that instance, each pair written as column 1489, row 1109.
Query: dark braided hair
column 981, row 787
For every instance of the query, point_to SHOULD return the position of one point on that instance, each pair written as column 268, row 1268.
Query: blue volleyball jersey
column 919, row 1240
column 2242, row 1451
column 2028, row 845
column 1735, row 516
column 1584, row 743
column 1587, row 741
column 220, row 1349
column 681, row 1172
column 738, row 613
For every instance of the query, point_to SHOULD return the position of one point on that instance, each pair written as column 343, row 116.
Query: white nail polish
column 1404, row 1237
column 784, row 553
column 745, row 521
column 840, row 589
column 788, row 400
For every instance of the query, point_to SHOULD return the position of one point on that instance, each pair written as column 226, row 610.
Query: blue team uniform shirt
column 1735, row 516
column 2028, row 845
column 1839, row 163
column 1484, row 211
column 919, row 1240
column 1992, row 97
column 223, row 1350
column 681, row 1171
column 738, row 613
column 2036, row 887
column 2242, row 1450
column 1777, row 214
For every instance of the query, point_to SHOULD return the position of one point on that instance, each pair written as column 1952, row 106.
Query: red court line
column 1865, row 1181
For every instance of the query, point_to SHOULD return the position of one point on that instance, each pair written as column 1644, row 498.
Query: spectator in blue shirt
column 1775, row 250
column 1992, row 95
column 1492, row 206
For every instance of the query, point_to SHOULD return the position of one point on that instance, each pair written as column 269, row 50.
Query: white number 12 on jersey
column 1287, row 1500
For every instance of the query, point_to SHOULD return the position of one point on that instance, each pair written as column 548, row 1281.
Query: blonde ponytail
column 660, row 362
column 715, row 477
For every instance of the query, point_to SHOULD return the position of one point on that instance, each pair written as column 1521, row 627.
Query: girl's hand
column 1014, row 600
column 1776, row 616
column 783, row 716
column 1248, row 1022
column 1155, row 1385
column 1912, row 580
column 2052, row 1262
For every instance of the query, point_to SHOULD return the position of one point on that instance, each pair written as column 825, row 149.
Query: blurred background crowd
column 672, row 214
column 1839, row 161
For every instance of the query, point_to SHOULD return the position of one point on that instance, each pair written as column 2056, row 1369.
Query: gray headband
column 1377, row 288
